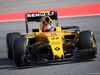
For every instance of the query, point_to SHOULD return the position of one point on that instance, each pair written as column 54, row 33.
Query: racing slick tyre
column 71, row 27
column 10, row 41
column 20, row 48
column 87, row 43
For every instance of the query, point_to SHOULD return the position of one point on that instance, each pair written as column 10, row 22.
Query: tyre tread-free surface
column 85, row 40
column 19, row 50
column 10, row 41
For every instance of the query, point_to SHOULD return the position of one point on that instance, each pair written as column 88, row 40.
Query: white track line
column 58, row 17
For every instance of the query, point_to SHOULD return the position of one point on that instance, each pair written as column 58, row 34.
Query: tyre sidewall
column 19, row 50
column 10, row 42
column 85, row 39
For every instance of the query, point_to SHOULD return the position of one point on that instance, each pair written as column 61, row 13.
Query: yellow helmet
column 46, row 23
column 45, row 19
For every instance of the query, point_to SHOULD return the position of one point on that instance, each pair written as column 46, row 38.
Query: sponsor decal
column 55, row 38
column 53, row 34
column 57, row 48
column 39, row 14
column 55, row 42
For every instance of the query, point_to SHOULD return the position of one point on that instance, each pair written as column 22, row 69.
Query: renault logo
column 57, row 48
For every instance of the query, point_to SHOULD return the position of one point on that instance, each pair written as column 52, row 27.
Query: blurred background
column 8, row 6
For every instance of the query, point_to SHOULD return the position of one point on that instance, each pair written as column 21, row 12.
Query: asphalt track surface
column 9, row 6
column 7, row 67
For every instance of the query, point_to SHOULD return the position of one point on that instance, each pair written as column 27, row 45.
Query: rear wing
column 36, row 17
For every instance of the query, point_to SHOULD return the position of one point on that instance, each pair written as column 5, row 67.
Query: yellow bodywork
column 54, row 39
column 56, row 45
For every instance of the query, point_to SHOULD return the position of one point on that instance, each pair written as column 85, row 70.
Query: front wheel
column 10, row 42
column 20, row 51
column 87, row 42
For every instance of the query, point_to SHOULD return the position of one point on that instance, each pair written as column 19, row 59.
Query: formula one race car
column 50, row 43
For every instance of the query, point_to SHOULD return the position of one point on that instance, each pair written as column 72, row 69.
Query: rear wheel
column 87, row 41
column 10, row 41
column 20, row 51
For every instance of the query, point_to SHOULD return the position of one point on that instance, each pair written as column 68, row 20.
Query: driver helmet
column 48, row 24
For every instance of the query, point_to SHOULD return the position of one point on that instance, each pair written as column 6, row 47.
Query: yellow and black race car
column 50, row 43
